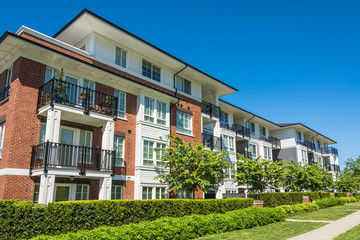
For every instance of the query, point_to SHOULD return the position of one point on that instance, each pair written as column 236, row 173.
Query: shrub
column 187, row 227
column 329, row 202
column 357, row 195
column 286, row 198
column 340, row 194
column 299, row 208
column 348, row 199
column 26, row 219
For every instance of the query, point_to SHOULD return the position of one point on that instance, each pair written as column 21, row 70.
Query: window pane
column 156, row 73
column 179, row 83
column 187, row 87
column 146, row 68
column 42, row 134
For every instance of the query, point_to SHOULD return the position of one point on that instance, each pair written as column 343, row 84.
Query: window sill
column 120, row 166
column 185, row 134
column 121, row 118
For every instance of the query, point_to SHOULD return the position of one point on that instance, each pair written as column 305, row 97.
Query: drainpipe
column 171, row 105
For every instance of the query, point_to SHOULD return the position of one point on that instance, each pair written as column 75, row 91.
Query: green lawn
column 327, row 214
column 275, row 231
column 352, row 234
column 355, row 206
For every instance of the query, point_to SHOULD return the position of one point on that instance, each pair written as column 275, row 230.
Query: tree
column 191, row 167
column 349, row 180
column 259, row 174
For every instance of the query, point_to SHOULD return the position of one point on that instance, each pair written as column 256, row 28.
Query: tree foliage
column 349, row 180
column 192, row 167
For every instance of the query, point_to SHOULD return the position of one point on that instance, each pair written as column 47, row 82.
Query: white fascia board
column 14, row 171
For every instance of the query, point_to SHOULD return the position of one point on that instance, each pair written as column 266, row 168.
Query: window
column 36, row 193
column 147, row 193
column 159, row 154
column 304, row 156
column 183, row 194
column 50, row 74
column 262, row 131
column 119, row 150
column 42, row 133
column 2, row 131
column 161, row 113
column 82, row 192
column 116, row 192
column 228, row 143
column 318, row 145
column 267, row 153
column 160, row 193
column 233, row 170
column 252, row 150
column 251, row 126
column 150, row 70
column 120, row 57
column 149, row 110
column 298, row 136
column 148, row 155
column 8, row 77
column 183, row 122
column 85, row 140
column 183, row 85
column 224, row 118
column 85, row 86
column 121, row 98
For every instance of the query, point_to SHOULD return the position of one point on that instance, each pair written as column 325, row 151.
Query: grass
column 355, row 206
column 352, row 234
column 327, row 214
column 274, row 231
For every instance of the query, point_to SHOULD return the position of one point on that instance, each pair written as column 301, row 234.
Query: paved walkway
column 332, row 229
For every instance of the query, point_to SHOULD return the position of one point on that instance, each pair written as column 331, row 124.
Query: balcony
column 329, row 150
column 64, row 93
column 71, row 157
column 301, row 143
column 210, row 109
column 4, row 93
column 276, row 143
column 333, row 168
column 264, row 138
column 211, row 142
column 310, row 145
column 241, row 131
column 246, row 154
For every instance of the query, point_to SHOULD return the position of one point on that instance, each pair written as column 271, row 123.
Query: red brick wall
column 128, row 190
column 94, row 189
column 16, row 187
column 3, row 79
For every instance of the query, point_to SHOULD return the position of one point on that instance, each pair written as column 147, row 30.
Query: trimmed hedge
column 329, row 202
column 286, row 198
column 26, row 219
column 348, row 199
column 187, row 227
column 340, row 194
column 299, row 208
column 356, row 195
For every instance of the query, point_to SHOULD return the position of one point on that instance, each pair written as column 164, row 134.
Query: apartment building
column 94, row 134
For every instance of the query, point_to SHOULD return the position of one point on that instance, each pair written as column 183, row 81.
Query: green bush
column 299, row 208
column 286, row 198
column 348, row 199
column 329, row 202
column 357, row 195
column 187, row 227
column 26, row 219
column 340, row 194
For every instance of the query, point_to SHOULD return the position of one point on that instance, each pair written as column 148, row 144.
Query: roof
column 86, row 11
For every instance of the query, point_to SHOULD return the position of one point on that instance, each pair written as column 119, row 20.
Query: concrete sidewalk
column 331, row 230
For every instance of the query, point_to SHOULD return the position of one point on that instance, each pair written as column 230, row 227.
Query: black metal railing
column 62, row 92
column 51, row 154
column 211, row 109
column 4, row 93
column 264, row 138
column 275, row 142
column 310, row 145
column 241, row 130
column 246, row 154
column 329, row 150
column 300, row 143
column 212, row 142
column 227, row 126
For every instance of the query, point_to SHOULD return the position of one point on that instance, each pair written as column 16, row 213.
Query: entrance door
column 67, row 147
column 62, row 193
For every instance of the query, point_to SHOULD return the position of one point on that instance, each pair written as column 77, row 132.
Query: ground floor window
column 161, row 193
column 36, row 193
column 116, row 192
column 82, row 192
column 147, row 193
column 183, row 194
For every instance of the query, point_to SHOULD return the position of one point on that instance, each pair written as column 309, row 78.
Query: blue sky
column 292, row 61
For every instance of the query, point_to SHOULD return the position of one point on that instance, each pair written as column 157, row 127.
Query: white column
column 105, row 188
column 53, row 125
column 47, row 188
column 108, row 136
column 215, row 98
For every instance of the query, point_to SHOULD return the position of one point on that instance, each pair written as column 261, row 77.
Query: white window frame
column 149, row 117
column 183, row 129
column 152, row 66
column 116, row 187
column 228, row 143
column 122, row 51
column 180, row 84
column 122, row 152
column 252, row 128
column 252, row 147
column 122, row 112
column 267, row 153
column 36, row 193
column 262, row 134
column 160, row 119
column 149, row 193
column 151, row 158
column 154, row 116
column 159, row 154
column 186, row 194
column 164, row 194
column 2, row 134
column 224, row 118
column 82, row 188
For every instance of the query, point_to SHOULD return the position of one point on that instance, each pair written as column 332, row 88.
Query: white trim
column 14, row 171
column 123, row 178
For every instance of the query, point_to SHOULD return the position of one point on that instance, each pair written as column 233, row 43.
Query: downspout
column 178, row 99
